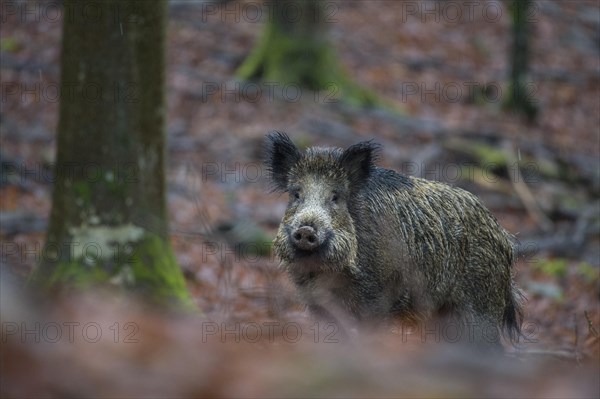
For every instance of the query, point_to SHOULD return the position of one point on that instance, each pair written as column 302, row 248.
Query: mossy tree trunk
column 108, row 224
column 294, row 49
column 518, row 97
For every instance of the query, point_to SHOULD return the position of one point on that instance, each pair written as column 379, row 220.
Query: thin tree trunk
column 519, row 98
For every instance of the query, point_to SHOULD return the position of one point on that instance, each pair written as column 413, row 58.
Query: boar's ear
column 280, row 155
column 359, row 161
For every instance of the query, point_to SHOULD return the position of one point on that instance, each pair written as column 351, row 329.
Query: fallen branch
column 524, row 193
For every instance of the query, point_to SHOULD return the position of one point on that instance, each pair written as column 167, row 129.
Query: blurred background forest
column 431, row 82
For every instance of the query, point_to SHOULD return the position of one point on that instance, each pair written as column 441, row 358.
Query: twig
column 575, row 344
column 565, row 243
column 591, row 328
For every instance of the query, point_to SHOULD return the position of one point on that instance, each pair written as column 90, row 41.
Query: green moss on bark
column 147, row 268
column 155, row 270
column 294, row 50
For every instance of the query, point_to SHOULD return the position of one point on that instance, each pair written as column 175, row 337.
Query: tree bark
column 294, row 49
column 108, row 222
column 519, row 98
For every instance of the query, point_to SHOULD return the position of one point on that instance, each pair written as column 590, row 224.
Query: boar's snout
column 305, row 238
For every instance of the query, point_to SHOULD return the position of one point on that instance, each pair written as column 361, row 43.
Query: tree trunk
column 294, row 49
column 519, row 98
column 108, row 223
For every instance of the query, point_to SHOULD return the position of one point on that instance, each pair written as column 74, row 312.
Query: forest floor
column 446, row 77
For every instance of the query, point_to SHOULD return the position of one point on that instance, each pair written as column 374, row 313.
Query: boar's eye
column 296, row 195
column 334, row 198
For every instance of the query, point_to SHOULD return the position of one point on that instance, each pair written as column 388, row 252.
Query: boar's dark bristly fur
column 372, row 244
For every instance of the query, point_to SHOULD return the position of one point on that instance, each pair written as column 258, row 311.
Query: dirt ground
column 445, row 73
